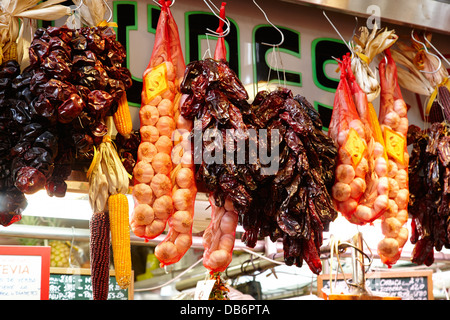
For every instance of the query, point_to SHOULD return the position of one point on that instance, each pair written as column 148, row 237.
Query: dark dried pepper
column 70, row 109
column 92, row 77
column 98, row 103
column 42, row 107
column 29, row 180
column 57, row 68
column 58, row 91
column 37, row 82
column 12, row 204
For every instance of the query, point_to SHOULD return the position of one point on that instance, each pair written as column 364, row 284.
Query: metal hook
column 226, row 21
column 161, row 5
column 438, row 52
column 110, row 11
column 426, row 50
column 282, row 35
column 337, row 31
column 77, row 7
column 354, row 30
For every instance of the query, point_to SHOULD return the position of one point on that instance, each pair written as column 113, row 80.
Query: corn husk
column 365, row 48
column 18, row 23
column 414, row 60
column 418, row 71
column 106, row 175
column 54, row 12
column 409, row 76
column 414, row 84
column 92, row 12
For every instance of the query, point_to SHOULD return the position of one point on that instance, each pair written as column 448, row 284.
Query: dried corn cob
column 99, row 254
column 436, row 113
column 444, row 100
column 120, row 238
column 122, row 117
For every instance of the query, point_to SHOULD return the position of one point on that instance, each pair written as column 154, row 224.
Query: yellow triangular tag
column 395, row 145
column 354, row 146
column 155, row 82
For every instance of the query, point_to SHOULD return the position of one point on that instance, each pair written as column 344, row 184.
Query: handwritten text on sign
column 20, row 277
column 79, row 287
column 408, row 286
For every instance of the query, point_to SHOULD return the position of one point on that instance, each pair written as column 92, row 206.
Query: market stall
column 174, row 145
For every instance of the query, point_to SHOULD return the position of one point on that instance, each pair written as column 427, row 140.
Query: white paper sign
column 203, row 289
column 20, row 277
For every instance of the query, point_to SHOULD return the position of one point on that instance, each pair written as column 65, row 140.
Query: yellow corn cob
column 11, row 52
column 122, row 117
column 120, row 238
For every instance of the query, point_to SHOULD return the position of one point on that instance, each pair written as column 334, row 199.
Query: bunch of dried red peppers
column 53, row 112
column 429, row 174
column 292, row 203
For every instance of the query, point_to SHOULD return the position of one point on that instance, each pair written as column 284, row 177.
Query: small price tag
column 354, row 146
column 203, row 289
column 155, row 82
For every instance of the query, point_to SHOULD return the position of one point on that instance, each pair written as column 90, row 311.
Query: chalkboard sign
column 24, row 272
column 411, row 285
column 75, row 284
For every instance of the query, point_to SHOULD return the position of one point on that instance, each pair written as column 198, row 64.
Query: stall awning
column 432, row 15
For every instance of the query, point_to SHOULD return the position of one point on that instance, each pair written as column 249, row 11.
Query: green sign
column 71, row 286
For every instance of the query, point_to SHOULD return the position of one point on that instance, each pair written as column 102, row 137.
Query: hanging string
column 282, row 68
column 278, row 52
column 277, row 69
column 274, row 46
column 208, row 51
column 275, row 56
column 269, row 73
